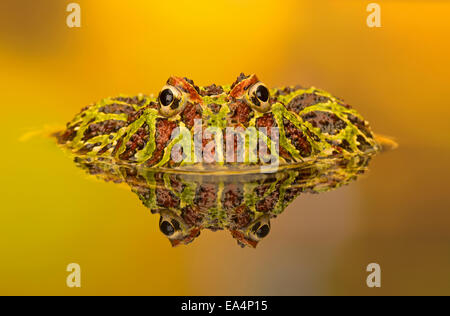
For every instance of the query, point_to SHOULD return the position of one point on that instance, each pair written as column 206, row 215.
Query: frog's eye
column 260, row 230
column 169, row 228
column 258, row 96
column 263, row 231
column 171, row 101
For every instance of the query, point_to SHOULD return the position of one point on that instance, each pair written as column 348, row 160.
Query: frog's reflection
column 244, row 204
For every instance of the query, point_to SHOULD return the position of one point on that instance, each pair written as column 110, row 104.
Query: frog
column 292, row 124
column 244, row 204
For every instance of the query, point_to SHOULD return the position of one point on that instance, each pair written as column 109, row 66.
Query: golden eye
column 258, row 96
column 260, row 229
column 169, row 226
column 171, row 101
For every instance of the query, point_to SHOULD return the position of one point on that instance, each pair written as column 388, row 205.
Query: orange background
column 396, row 75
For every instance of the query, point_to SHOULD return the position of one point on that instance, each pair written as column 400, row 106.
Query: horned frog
column 139, row 130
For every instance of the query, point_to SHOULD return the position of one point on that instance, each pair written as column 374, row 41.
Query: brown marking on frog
column 287, row 90
column 103, row 128
column 191, row 216
column 205, row 196
column 268, row 203
column 176, row 184
column 300, row 102
column 166, row 198
column 191, row 112
column 163, row 132
column 328, row 122
column 268, row 121
column 131, row 100
column 291, row 193
column 297, row 138
column 232, row 196
column 211, row 90
column 117, row 108
column 241, row 217
column 214, row 107
column 240, row 113
column 136, row 142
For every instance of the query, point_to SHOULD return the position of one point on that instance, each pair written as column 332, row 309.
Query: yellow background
column 396, row 75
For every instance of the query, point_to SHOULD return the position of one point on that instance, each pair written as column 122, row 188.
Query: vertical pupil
column 166, row 97
column 262, row 93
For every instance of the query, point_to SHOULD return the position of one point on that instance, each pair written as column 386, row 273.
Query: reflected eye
column 166, row 228
column 260, row 229
column 171, row 101
column 263, row 231
column 258, row 97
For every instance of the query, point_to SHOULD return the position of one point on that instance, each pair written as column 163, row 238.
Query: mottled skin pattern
column 136, row 130
column 242, row 204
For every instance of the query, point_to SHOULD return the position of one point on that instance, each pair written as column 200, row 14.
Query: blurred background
column 397, row 76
